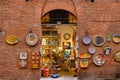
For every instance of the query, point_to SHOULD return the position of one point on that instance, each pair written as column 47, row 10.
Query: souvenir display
column 98, row 40
column 86, row 39
column 92, row 49
column 23, row 59
column 116, row 38
column 35, row 60
column 99, row 59
column 12, row 39
column 108, row 37
column 31, row 39
column 66, row 36
column 107, row 50
column 84, row 55
column 117, row 56
column 84, row 63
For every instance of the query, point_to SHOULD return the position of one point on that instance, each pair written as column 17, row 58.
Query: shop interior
column 58, row 44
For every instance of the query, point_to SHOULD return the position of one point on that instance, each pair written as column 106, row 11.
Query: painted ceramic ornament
column 31, row 39
column 98, row 41
column 84, row 55
column 84, row 63
column 99, row 59
column 23, row 55
column 117, row 56
column 12, row 39
column 107, row 50
column 92, row 49
column 23, row 63
column 116, row 38
column 108, row 37
column 86, row 39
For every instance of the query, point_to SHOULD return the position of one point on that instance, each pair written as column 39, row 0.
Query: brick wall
column 18, row 16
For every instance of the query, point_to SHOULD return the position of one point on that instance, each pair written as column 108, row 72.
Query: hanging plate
column 98, row 40
column 84, row 55
column 86, row 39
column 116, row 38
column 12, row 39
column 92, row 49
column 99, row 59
column 117, row 56
column 31, row 39
column 84, row 63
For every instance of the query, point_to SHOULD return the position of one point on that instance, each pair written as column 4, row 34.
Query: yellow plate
column 12, row 39
column 84, row 55
column 84, row 63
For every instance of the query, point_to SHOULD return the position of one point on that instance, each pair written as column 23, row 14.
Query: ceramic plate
column 86, row 39
column 84, row 55
column 92, row 49
column 117, row 56
column 12, row 39
column 116, row 38
column 31, row 39
column 99, row 59
column 98, row 40
column 84, row 63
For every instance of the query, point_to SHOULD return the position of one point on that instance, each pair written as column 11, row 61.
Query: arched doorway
column 58, row 43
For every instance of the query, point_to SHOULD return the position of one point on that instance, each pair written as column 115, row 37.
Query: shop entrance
column 58, row 44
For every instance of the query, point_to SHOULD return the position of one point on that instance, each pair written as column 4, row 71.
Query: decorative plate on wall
column 117, row 56
column 84, row 55
column 12, row 39
column 66, row 36
column 116, row 38
column 86, row 39
column 92, row 49
column 31, row 39
column 99, row 59
column 98, row 40
column 84, row 63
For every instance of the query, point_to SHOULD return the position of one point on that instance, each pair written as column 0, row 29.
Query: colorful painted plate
column 117, row 56
column 99, row 59
column 98, row 40
column 84, row 55
column 84, row 63
column 12, row 39
column 92, row 49
column 31, row 39
column 116, row 38
column 86, row 39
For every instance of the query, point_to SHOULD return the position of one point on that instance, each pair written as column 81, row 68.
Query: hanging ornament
column 108, row 37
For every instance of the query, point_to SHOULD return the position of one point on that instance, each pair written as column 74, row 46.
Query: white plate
column 92, row 49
